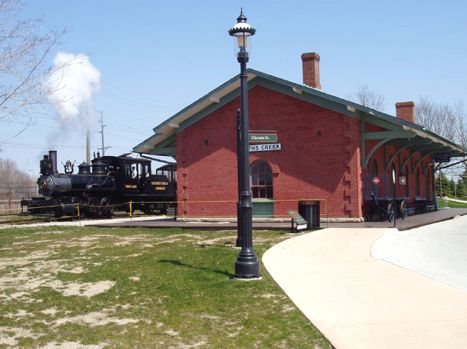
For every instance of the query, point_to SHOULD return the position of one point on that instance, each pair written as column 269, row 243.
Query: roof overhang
column 166, row 131
column 163, row 142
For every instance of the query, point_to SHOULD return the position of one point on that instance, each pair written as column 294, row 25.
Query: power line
column 25, row 123
column 152, row 99
column 126, row 101
column 121, row 116
column 124, row 137
column 40, row 146
column 103, row 148
column 127, row 129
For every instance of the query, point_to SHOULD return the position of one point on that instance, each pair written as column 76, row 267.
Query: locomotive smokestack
column 88, row 146
column 53, row 158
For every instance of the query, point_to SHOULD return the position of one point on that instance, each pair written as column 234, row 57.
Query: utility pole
column 103, row 148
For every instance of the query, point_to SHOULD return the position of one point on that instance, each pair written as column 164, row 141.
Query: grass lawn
column 140, row 288
column 16, row 218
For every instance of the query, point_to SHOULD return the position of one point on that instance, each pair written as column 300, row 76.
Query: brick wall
column 319, row 158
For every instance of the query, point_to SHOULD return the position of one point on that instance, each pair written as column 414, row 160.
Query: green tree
column 442, row 185
column 461, row 189
column 452, row 188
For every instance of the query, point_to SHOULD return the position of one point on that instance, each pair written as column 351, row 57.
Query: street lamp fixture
column 247, row 265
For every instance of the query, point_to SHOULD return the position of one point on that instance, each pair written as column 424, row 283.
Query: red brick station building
column 304, row 145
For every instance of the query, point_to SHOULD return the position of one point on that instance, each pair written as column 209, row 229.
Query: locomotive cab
column 169, row 182
column 134, row 173
column 149, row 192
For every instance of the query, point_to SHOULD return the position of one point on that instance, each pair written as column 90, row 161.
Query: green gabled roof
column 163, row 140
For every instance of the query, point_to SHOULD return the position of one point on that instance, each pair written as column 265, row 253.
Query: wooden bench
column 422, row 206
column 410, row 211
column 419, row 205
column 298, row 222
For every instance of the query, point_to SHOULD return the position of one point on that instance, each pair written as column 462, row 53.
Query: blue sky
column 156, row 57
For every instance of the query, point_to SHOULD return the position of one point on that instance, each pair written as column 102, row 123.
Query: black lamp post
column 247, row 265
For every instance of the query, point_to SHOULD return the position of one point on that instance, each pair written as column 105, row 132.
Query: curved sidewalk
column 357, row 301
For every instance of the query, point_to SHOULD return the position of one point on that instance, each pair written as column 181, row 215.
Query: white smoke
column 71, row 85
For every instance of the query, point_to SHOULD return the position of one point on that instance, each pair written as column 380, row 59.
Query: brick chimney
column 406, row 111
column 310, row 66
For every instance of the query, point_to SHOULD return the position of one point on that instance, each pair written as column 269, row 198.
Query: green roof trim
column 161, row 142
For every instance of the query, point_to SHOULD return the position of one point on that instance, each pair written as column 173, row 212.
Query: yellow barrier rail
column 130, row 205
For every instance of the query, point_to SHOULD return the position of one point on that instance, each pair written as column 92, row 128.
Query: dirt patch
column 97, row 318
column 287, row 308
column 49, row 232
column 224, row 240
column 25, row 275
column 71, row 345
column 176, row 238
column 19, row 314
column 171, row 333
column 9, row 335
column 85, row 289
column 209, row 317
column 25, row 260
column 50, row 311
column 268, row 295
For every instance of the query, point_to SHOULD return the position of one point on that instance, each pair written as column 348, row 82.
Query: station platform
column 161, row 222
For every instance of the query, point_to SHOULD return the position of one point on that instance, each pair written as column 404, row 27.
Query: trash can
column 309, row 210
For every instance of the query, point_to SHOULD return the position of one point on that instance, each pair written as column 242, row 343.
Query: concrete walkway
column 357, row 301
column 457, row 200
column 438, row 251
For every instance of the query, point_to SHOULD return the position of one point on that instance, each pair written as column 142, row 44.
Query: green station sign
column 262, row 137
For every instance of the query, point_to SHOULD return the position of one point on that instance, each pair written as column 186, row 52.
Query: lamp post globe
column 246, row 265
column 241, row 32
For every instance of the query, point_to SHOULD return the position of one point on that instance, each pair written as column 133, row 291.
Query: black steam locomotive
column 109, row 183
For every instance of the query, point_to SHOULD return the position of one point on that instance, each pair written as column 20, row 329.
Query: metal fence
column 10, row 206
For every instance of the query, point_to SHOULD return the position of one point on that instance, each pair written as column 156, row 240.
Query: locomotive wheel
column 149, row 208
column 94, row 204
column 106, row 207
column 390, row 212
column 403, row 209
column 58, row 212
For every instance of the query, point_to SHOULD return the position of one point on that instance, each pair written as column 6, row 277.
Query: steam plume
column 72, row 85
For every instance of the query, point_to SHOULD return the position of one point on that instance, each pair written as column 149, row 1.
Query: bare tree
column 14, row 185
column 23, row 51
column 448, row 121
column 369, row 98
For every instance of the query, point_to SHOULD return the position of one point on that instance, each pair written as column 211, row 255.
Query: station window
column 261, row 180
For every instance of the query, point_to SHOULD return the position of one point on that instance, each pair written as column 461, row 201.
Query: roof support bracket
column 395, row 155
column 422, row 159
column 366, row 157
